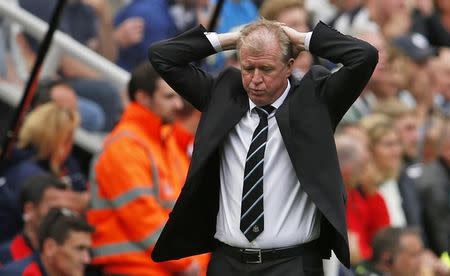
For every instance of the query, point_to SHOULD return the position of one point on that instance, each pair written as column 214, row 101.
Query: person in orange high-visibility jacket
column 135, row 181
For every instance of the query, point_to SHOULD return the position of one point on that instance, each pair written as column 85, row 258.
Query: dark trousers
column 222, row 264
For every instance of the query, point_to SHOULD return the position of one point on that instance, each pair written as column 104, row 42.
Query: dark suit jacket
column 306, row 120
column 434, row 190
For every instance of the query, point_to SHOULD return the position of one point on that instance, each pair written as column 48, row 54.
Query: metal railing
column 62, row 44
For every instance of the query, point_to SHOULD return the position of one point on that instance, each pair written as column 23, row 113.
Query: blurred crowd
column 393, row 144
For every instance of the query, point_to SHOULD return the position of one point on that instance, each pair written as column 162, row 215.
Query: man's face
column 389, row 8
column 165, row 102
column 71, row 257
column 407, row 260
column 264, row 74
column 381, row 72
column 64, row 96
column 407, row 129
column 387, row 152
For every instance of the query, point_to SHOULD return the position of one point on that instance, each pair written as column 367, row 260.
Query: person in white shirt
column 264, row 191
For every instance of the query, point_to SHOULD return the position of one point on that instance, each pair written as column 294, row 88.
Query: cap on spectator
column 414, row 45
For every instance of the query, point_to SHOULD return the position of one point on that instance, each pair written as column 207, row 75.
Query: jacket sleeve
column 340, row 89
column 125, row 177
column 172, row 60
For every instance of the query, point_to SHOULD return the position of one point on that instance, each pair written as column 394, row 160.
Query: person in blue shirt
column 158, row 25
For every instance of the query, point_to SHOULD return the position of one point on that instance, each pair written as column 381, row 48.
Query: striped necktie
column 252, row 207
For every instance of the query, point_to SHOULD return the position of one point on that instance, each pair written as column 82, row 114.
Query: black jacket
column 306, row 120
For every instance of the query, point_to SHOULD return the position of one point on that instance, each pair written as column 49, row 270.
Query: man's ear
column 142, row 97
column 387, row 259
column 290, row 65
column 49, row 247
column 28, row 211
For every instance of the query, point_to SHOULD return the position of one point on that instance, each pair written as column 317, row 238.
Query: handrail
column 37, row 28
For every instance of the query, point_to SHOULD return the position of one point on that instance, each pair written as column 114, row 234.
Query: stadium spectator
column 138, row 177
column 380, row 85
column 396, row 252
column 440, row 76
column 405, row 123
column 375, row 16
column 64, row 241
column 157, row 25
column 353, row 158
column 431, row 19
column 44, row 143
column 90, row 23
column 39, row 194
column 434, row 189
column 386, row 151
column 59, row 91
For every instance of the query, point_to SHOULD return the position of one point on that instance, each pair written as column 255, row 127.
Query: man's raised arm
column 172, row 60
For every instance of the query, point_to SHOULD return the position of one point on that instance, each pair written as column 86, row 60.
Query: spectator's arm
column 104, row 43
column 73, row 68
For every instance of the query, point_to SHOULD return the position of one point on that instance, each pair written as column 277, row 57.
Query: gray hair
column 254, row 37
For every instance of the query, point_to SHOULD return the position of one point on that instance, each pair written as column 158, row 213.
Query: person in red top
column 17, row 249
column 378, row 213
column 39, row 194
column 353, row 158
column 64, row 244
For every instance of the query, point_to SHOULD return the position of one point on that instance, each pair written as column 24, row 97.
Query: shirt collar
column 276, row 103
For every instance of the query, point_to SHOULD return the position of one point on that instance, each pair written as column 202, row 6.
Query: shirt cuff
column 307, row 40
column 214, row 40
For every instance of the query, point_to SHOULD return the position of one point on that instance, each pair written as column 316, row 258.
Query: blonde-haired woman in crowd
column 44, row 145
column 386, row 152
column 49, row 131
column 384, row 144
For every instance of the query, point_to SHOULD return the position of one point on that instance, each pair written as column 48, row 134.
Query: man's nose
column 257, row 76
column 86, row 257
column 178, row 102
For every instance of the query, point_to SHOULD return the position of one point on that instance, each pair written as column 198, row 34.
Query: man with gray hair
column 263, row 191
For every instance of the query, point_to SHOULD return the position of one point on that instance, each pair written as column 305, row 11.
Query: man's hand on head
column 297, row 38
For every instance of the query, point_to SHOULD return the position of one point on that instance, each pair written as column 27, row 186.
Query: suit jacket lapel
column 224, row 116
column 283, row 115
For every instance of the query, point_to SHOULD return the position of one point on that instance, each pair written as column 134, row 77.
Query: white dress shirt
column 290, row 217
